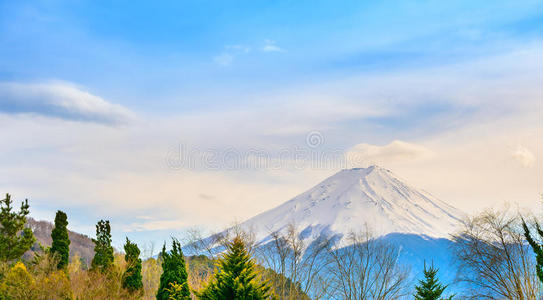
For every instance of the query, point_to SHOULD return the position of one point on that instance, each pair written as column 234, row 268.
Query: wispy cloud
column 154, row 225
column 230, row 52
column 60, row 100
column 238, row 48
column 394, row 152
column 270, row 46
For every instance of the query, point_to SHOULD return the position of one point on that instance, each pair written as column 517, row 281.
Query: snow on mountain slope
column 354, row 198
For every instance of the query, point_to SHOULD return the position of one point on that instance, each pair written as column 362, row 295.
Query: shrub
column 18, row 284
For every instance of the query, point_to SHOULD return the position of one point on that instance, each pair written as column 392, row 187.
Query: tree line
column 235, row 277
column 491, row 253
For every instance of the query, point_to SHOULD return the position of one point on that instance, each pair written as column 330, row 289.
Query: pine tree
column 536, row 247
column 103, row 251
column 174, row 273
column 61, row 240
column 132, row 279
column 430, row 288
column 15, row 238
column 236, row 278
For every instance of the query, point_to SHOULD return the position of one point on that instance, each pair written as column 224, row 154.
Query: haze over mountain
column 352, row 199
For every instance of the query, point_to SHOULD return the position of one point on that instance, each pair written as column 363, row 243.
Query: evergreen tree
column 61, row 241
column 430, row 288
column 536, row 247
column 174, row 274
column 103, row 251
column 177, row 291
column 236, row 278
column 132, row 279
column 15, row 238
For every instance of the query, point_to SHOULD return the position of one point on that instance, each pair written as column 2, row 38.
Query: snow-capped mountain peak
column 352, row 199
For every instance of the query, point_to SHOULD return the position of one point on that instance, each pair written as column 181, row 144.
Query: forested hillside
column 79, row 243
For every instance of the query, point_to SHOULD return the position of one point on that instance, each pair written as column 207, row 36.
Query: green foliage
column 132, row 279
column 538, row 249
column 173, row 281
column 103, row 251
column 430, row 288
column 201, row 268
column 15, row 239
column 61, row 241
column 177, row 291
column 236, row 278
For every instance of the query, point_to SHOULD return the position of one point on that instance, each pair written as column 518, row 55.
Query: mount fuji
column 374, row 199
column 354, row 199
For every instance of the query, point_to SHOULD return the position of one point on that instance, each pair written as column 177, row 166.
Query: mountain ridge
column 80, row 244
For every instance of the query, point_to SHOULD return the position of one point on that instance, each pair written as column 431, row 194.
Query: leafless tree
column 301, row 266
column 493, row 258
column 148, row 249
column 367, row 269
column 247, row 234
column 198, row 242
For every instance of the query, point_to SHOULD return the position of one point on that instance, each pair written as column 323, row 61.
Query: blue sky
column 170, row 52
column 94, row 94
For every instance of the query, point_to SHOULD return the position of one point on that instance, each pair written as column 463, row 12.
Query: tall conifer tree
column 15, row 238
column 132, row 279
column 236, row 278
column 173, row 281
column 103, row 251
column 61, row 240
column 430, row 288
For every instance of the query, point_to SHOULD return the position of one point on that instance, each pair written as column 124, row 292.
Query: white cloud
column 524, row 156
column 270, row 46
column 394, row 152
column 60, row 100
column 121, row 173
